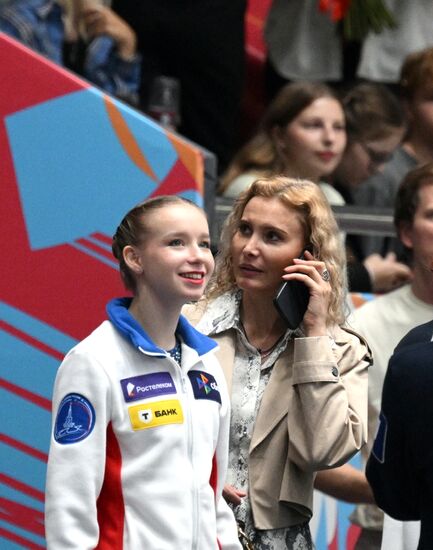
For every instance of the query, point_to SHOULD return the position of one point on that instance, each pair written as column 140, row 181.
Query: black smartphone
column 292, row 300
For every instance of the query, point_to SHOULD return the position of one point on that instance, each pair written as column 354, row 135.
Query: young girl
column 141, row 414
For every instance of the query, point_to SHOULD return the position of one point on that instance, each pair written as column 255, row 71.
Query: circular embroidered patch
column 75, row 419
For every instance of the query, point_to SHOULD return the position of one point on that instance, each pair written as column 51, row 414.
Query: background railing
column 351, row 219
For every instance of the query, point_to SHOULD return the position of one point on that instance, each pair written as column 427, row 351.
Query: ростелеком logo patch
column 147, row 385
column 75, row 419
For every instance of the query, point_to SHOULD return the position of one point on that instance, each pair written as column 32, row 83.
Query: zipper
column 187, row 390
column 189, row 400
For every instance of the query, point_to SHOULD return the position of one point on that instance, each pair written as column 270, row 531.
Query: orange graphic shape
column 191, row 158
column 127, row 140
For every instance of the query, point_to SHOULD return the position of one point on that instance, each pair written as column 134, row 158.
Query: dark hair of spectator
column 372, row 113
column 416, row 73
column 407, row 198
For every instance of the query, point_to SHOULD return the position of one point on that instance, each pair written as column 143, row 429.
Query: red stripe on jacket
column 213, row 481
column 111, row 509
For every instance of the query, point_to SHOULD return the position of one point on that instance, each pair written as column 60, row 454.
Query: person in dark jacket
column 400, row 467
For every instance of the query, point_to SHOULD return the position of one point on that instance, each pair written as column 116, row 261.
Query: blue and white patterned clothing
column 39, row 25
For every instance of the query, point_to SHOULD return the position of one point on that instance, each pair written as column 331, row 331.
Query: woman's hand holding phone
column 312, row 273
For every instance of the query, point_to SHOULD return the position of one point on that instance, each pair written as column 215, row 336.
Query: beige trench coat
column 313, row 416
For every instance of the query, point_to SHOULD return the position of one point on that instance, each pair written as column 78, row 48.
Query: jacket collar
column 221, row 314
column 125, row 323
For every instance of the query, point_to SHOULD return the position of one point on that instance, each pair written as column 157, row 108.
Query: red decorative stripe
column 96, row 248
column 23, row 447
column 352, row 536
column 30, row 340
column 103, row 238
column 25, row 394
column 111, row 508
column 22, row 487
column 19, row 540
column 22, row 516
column 333, row 544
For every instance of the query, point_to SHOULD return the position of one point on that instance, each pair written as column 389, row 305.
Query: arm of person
column 112, row 62
column 389, row 470
column 101, row 20
column 76, row 461
column 328, row 419
column 345, row 483
column 386, row 273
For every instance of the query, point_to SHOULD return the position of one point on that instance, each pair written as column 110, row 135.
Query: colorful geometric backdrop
column 72, row 162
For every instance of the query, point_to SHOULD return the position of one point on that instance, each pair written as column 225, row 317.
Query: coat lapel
column 274, row 407
column 226, row 355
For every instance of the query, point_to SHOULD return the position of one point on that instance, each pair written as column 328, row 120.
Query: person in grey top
column 416, row 83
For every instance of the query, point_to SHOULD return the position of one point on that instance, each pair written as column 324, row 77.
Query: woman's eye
column 205, row 244
column 244, row 229
column 273, row 236
column 313, row 124
column 176, row 242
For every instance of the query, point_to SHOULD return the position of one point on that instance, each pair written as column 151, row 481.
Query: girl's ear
column 132, row 259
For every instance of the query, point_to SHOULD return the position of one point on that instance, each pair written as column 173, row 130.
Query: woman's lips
column 326, row 155
column 247, row 268
column 194, row 277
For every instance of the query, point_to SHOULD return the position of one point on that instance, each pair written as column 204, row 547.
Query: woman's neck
column 158, row 320
column 305, row 174
column 262, row 324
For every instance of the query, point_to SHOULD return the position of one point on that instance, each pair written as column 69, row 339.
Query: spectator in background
column 383, row 322
column 301, row 135
column 416, row 83
column 82, row 35
column 201, row 43
column 303, row 43
column 382, row 54
column 375, row 125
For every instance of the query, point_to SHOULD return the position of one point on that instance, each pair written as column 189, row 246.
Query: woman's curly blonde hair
column 320, row 229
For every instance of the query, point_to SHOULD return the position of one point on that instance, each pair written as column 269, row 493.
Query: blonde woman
column 299, row 397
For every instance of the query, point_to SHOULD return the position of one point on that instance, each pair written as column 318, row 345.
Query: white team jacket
column 139, row 445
